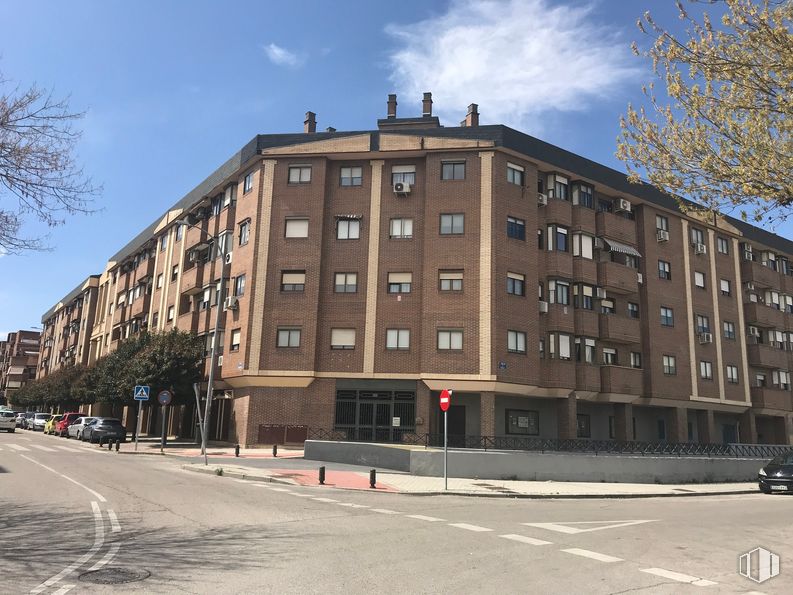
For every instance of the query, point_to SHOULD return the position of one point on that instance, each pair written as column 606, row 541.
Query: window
column 732, row 374
column 453, row 170
column 697, row 236
column 772, row 299
column 636, row 359
column 516, row 284
column 159, row 281
column 245, row 232
column 296, row 228
column 540, row 240
column 163, row 242
column 346, row 283
column 607, row 307
column 452, row 223
column 397, row 338
column 155, row 319
column 399, row 282
column 661, row 222
column 667, row 316
column 348, row 229
column 705, row 370
column 585, row 350
column 217, row 204
column 351, row 176
column 703, row 324
column 239, row 285
column 699, row 279
column 583, row 428
column 515, row 174
column 174, row 272
column 557, row 238
column 403, row 173
column 293, row 280
column 450, row 340
column 633, row 310
column 609, row 356
column 583, row 245
column 583, row 195
column 516, row 342
column 247, row 183
column 559, row 185
column 288, row 337
column 450, row 280
column 516, row 228
column 235, row 340
column 582, row 296
column 170, row 313
column 722, row 245
column 605, row 205
column 206, row 298
column 523, row 422
column 299, row 174
column 401, row 229
column 760, row 380
column 670, row 365
column 781, row 378
column 342, row 338
column 559, row 292
column 559, row 346
column 729, row 330
column 664, row 270
column 725, row 287
column 179, row 232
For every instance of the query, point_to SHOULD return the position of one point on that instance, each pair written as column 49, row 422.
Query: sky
column 171, row 89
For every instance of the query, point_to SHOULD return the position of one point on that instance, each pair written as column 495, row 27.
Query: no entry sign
column 446, row 399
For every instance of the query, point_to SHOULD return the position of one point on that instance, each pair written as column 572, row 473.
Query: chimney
column 392, row 103
column 426, row 105
column 472, row 117
column 330, row 129
column 310, row 123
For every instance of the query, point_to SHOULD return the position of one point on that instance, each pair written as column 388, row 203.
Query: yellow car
column 49, row 427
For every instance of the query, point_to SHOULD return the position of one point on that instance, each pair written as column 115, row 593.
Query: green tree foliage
column 723, row 137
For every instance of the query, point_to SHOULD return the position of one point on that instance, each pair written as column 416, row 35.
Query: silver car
column 76, row 429
column 8, row 421
column 37, row 421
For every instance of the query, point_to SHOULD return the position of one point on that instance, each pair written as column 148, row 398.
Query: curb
column 236, row 475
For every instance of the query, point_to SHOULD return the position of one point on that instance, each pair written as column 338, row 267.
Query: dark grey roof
column 69, row 296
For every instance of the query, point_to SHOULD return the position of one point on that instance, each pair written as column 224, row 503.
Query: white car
column 8, row 421
column 76, row 429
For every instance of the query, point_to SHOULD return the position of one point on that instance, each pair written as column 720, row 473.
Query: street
column 68, row 510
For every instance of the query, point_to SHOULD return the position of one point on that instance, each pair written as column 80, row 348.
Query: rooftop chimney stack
column 426, row 105
column 392, row 104
column 310, row 123
column 472, row 117
column 330, row 129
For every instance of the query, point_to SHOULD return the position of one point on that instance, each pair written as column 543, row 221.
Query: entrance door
column 456, row 426
column 729, row 434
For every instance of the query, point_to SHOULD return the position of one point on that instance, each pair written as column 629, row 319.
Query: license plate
column 779, row 488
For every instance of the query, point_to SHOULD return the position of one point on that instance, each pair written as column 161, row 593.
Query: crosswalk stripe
column 68, row 449
column 18, row 447
column 44, row 448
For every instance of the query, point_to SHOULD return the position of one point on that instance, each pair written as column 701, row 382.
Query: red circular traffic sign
column 446, row 399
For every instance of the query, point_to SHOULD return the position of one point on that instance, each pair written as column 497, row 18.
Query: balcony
column 621, row 380
column 758, row 314
column 193, row 279
column 587, row 378
column 617, row 278
column 557, row 373
column 771, row 398
column 560, row 318
column 759, row 274
column 139, row 306
column 767, row 356
column 188, row 321
column 558, row 264
column 615, row 227
column 586, row 323
column 585, row 270
column 559, row 211
column 619, row 329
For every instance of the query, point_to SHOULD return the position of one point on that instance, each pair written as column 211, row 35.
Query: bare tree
column 39, row 178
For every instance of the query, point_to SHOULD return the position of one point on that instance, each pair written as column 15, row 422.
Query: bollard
column 101, row 442
column 275, row 450
column 109, row 445
column 118, row 445
column 237, row 451
column 373, row 478
column 322, row 475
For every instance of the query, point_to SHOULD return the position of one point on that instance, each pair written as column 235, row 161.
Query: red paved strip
column 337, row 479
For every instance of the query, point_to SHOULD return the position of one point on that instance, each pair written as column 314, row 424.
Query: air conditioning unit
column 228, row 257
column 232, row 303
column 220, row 361
column 699, row 248
column 705, row 338
column 542, row 199
column 543, row 307
column 401, row 188
column 662, row 235
column 601, row 293
column 622, row 205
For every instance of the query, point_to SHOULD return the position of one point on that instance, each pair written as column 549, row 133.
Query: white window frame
column 342, row 338
column 400, row 228
column 397, row 339
column 348, row 229
column 296, row 227
column 299, row 174
column 516, row 342
column 288, row 337
column 450, row 339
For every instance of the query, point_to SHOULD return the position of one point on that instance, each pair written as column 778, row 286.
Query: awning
column 622, row 248
column 351, row 217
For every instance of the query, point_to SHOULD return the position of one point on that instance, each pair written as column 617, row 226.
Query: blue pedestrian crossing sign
column 141, row 393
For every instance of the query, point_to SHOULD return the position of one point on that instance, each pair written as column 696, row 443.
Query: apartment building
column 365, row 271
column 18, row 356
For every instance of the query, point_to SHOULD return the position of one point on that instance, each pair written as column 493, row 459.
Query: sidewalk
column 182, row 448
column 404, row 483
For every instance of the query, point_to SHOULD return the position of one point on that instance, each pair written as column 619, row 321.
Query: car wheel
column 765, row 490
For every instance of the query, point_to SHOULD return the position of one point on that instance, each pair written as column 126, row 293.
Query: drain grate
column 115, row 576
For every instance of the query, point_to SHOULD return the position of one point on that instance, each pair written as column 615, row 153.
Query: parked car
column 38, row 421
column 49, row 427
column 103, row 429
column 68, row 419
column 76, row 429
column 26, row 423
column 20, row 419
column 8, row 421
column 777, row 476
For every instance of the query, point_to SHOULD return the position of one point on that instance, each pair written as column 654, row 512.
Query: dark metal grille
column 370, row 415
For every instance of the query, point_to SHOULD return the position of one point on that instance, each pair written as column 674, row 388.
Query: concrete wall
column 538, row 466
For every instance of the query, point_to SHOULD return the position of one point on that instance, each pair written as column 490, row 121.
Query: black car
column 777, row 476
column 103, row 429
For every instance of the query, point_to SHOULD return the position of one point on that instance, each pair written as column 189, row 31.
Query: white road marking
column 679, row 577
column 385, row 511
column 19, row 447
column 44, row 448
column 68, row 449
column 302, row 495
column 421, row 517
column 468, row 527
column 565, row 527
column 114, row 524
column 64, row 589
column 593, row 555
column 24, row 438
column 99, row 539
column 348, row 504
column 324, row 499
column 96, row 495
column 524, row 539
column 111, row 553
column 279, row 489
column 241, row 481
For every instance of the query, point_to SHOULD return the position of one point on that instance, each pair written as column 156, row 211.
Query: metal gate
column 375, row 416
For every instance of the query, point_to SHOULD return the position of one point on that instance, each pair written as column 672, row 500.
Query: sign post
column 140, row 394
column 445, row 401
column 164, row 398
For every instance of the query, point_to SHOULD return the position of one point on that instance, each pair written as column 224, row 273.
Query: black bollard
column 118, row 445
column 373, row 478
column 109, row 445
column 101, row 442
column 322, row 475
column 275, row 450
column 237, row 451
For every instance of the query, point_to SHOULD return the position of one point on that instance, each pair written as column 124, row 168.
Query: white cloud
column 281, row 56
column 517, row 59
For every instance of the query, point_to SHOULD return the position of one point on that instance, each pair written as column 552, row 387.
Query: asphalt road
column 67, row 508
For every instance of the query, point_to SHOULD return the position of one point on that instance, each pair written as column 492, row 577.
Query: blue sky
column 171, row 89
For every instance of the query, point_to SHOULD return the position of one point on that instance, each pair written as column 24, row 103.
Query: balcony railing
column 772, row 398
column 617, row 277
column 762, row 315
column 621, row 380
column 766, row 356
column 619, row 329
column 613, row 226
